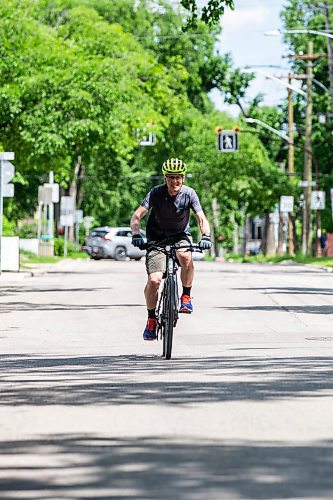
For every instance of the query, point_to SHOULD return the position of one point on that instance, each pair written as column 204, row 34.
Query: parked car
column 112, row 243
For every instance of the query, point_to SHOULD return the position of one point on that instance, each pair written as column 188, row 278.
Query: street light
column 265, row 125
column 276, row 79
column 277, row 66
column 325, row 34
column 301, row 31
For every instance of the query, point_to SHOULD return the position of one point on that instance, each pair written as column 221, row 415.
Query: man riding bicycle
column 168, row 223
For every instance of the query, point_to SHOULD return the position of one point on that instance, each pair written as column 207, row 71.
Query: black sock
column 152, row 313
column 187, row 290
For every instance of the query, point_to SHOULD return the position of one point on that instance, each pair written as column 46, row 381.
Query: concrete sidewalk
column 37, row 269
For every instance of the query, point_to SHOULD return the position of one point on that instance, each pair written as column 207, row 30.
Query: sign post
column 78, row 218
column 286, row 207
column 318, row 203
column 66, row 217
column 7, row 171
column 87, row 222
column 54, row 199
column 45, row 239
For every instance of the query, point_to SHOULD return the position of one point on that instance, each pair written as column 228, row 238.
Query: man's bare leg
column 187, row 268
column 151, row 289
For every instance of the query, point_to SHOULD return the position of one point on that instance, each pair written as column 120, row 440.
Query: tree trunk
column 269, row 240
column 235, row 238
column 73, row 193
column 281, row 235
column 80, row 189
column 245, row 235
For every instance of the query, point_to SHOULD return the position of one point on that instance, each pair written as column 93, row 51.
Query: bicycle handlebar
column 173, row 246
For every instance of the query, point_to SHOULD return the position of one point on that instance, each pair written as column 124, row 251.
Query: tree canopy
column 210, row 13
column 80, row 79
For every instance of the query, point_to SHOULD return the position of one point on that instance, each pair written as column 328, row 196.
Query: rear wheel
column 120, row 253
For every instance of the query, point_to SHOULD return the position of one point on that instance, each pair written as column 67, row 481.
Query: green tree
column 78, row 78
column 303, row 15
column 210, row 13
column 78, row 97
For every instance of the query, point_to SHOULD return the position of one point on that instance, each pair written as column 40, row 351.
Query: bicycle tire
column 169, row 320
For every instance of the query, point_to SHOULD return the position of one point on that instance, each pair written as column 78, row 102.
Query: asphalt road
column 242, row 410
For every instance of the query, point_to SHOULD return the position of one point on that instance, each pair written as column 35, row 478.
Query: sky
column 243, row 36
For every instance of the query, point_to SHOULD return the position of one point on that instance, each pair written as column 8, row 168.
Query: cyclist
column 168, row 223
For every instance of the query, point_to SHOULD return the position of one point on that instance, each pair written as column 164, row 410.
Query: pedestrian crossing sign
column 227, row 141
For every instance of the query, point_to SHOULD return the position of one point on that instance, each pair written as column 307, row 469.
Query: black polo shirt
column 169, row 215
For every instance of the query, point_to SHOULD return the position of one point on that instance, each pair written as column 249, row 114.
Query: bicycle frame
column 167, row 309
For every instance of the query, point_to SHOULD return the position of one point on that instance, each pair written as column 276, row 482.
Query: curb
column 9, row 277
column 323, row 268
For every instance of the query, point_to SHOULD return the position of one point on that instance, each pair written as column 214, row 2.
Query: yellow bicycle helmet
column 173, row 166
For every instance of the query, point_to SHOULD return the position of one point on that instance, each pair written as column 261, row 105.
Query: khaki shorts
column 156, row 260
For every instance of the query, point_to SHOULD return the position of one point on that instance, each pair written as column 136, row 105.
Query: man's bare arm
column 203, row 223
column 136, row 218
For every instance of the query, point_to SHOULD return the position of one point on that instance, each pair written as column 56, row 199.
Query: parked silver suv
column 112, row 243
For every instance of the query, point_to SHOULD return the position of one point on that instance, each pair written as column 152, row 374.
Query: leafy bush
column 59, row 244
column 8, row 227
column 27, row 231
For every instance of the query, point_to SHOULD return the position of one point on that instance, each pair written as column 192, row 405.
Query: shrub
column 8, row 227
column 59, row 244
column 27, row 231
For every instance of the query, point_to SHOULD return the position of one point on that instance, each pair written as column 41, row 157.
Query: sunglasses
column 174, row 177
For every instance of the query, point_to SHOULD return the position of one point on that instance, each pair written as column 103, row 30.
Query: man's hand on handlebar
column 137, row 240
column 205, row 242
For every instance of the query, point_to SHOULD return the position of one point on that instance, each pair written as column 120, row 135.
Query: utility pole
column 306, row 223
column 51, row 210
column 308, row 156
column 329, row 51
column 291, row 236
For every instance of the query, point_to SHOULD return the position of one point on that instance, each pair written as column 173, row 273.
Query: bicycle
column 167, row 308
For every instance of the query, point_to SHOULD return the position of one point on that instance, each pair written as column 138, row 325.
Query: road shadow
column 121, row 380
column 299, row 309
column 290, row 290
column 8, row 307
column 263, row 270
column 15, row 290
column 88, row 466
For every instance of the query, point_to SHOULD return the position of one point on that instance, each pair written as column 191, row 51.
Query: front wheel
column 169, row 318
